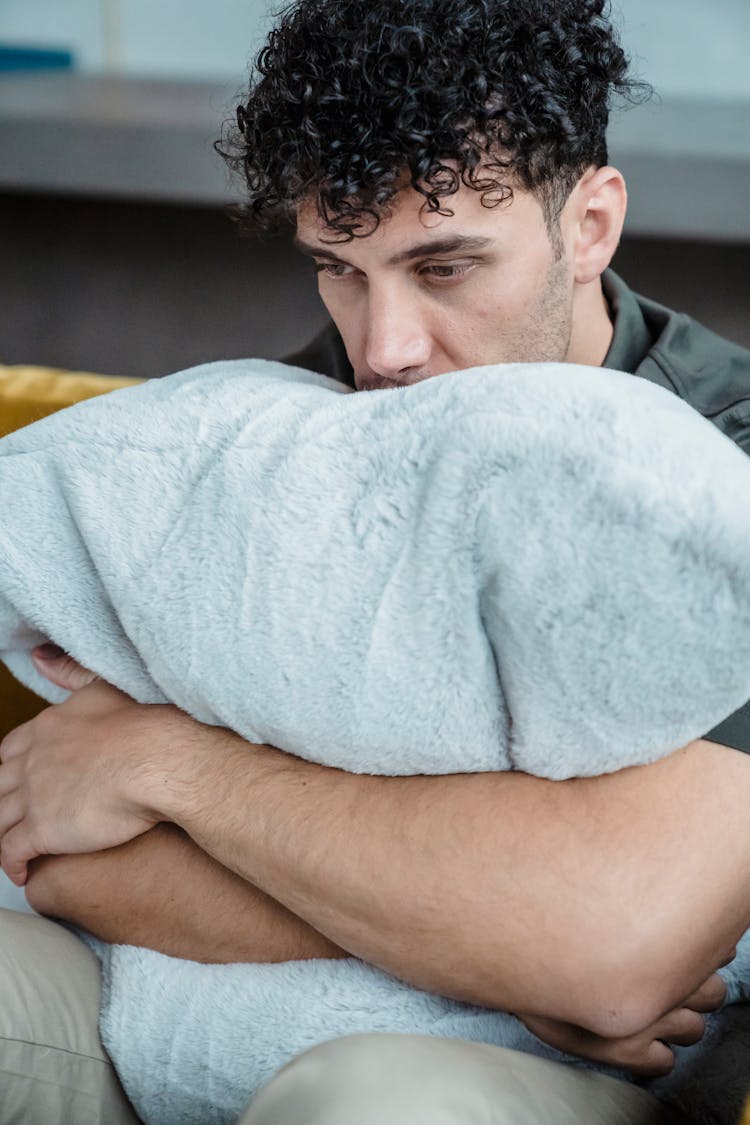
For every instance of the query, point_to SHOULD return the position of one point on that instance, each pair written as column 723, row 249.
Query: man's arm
column 162, row 892
column 602, row 902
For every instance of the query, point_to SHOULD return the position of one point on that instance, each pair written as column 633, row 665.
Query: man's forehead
column 406, row 225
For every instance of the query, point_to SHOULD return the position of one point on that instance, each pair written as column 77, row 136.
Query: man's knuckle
column 45, row 719
column 660, row 1056
column 9, row 743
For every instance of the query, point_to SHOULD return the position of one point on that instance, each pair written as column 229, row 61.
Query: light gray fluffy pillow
column 539, row 567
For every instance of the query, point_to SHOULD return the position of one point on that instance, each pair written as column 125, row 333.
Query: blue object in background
column 34, row 58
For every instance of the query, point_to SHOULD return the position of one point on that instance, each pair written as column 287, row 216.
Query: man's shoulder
column 710, row 372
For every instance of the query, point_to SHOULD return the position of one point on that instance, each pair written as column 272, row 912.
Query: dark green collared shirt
column 710, row 373
column 654, row 343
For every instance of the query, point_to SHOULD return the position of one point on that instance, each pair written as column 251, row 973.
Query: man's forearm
column 602, row 902
column 161, row 891
column 499, row 889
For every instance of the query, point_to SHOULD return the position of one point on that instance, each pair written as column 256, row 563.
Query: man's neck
column 592, row 332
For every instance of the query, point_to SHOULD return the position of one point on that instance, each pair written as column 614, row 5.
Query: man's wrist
column 197, row 769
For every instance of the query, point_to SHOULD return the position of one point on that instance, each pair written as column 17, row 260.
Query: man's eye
column 447, row 272
column 334, row 269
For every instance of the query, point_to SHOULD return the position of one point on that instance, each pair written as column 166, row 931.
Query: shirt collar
column 631, row 341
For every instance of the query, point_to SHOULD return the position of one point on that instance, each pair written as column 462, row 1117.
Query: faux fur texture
column 192, row 1043
column 542, row 568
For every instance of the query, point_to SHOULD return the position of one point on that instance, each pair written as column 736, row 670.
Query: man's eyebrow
column 462, row 242
column 458, row 242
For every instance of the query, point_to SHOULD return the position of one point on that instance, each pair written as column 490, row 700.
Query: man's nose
column 398, row 341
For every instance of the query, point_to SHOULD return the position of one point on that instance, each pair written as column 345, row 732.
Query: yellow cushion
column 30, row 393
column 26, row 395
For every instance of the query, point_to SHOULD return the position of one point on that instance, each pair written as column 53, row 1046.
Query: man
column 445, row 162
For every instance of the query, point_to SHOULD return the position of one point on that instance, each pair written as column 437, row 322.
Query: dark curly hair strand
column 355, row 99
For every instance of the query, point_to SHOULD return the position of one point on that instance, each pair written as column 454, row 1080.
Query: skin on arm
column 600, row 902
column 614, row 898
column 162, row 892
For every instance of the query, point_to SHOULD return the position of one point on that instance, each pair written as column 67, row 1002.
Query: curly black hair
column 354, row 99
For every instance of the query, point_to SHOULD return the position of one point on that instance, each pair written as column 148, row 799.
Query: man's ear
column 598, row 205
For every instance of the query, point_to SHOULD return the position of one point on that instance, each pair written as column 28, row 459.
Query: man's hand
column 648, row 1054
column 67, row 785
column 160, row 890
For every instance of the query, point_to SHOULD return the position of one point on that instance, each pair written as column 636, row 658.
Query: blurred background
column 116, row 253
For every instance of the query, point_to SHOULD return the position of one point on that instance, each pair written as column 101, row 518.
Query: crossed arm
column 601, row 902
column 161, row 890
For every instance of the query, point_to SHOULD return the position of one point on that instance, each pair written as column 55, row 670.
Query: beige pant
column 53, row 1069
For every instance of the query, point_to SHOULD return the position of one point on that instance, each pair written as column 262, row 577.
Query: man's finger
column 14, row 743
column 684, row 1027
column 16, row 852
column 710, row 996
column 11, row 812
column 61, row 669
column 10, row 776
column 659, row 1061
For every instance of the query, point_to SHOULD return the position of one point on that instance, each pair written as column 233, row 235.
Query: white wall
column 683, row 47
column 689, row 47
column 75, row 24
column 210, row 39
